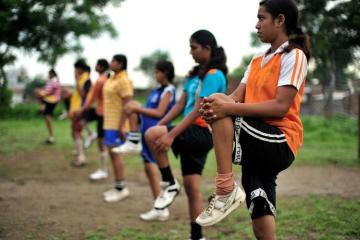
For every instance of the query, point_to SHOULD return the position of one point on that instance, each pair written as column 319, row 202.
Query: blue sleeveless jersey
column 153, row 101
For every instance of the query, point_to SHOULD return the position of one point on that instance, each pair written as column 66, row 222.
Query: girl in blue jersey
column 159, row 102
column 191, row 138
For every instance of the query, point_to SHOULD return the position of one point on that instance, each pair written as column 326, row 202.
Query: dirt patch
column 44, row 197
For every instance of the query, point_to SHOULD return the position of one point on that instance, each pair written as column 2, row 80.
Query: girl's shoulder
column 214, row 72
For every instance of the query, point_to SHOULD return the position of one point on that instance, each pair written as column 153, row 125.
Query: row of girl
column 257, row 125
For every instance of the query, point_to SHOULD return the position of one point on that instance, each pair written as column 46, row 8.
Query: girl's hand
column 122, row 135
column 163, row 143
column 212, row 109
column 131, row 107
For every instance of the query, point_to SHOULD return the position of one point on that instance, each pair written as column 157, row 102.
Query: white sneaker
column 154, row 214
column 63, row 115
column 90, row 140
column 115, row 195
column 220, row 206
column 128, row 148
column 167, row 194
column 98, row 175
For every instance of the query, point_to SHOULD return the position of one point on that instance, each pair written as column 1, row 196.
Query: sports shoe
column 90, row 139
column 98, row 175
column 155, row 215
column 167, row 194
column 63, row 115
column 128, row 148
column 115, row 195
column 220, row 206
column 199, row 239
column 50, row 140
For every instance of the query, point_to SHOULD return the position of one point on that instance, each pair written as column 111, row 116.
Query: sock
column 119, row 185
column 196, row 231
column 166, row 175
column 103, row 163
column 134, row 137
column 224, row 183
column 79, row 147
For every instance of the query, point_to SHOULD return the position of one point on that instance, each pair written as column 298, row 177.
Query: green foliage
column 334, row 35
column 147, row 63
column 52, row 28
column 37, row 82
column 5, row 99
column 23, row 111
column 239, row 72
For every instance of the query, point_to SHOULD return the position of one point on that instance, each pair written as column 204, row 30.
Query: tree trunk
column 328, row 106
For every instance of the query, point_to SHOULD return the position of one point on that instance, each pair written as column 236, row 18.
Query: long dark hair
column 166, row 67
column 288, row 8
column 217, row 58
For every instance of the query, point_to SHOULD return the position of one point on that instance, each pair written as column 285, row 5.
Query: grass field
column 326, row 142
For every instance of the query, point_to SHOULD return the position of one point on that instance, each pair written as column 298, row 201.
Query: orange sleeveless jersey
column 262, row 85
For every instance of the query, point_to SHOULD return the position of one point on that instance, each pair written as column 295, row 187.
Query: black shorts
column 193, row 146
column 265, row 153
column 91, row 115
column 49, row 108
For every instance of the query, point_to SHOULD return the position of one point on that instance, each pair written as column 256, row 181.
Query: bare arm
column 187, row 121
column 275, row 108
column 175, row 111
column 239, row 93
column 123, row 115
column 165, row 141
column 156, row 112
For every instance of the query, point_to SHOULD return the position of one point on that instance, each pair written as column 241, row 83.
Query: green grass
column 310, row 218
column 329, row 141
column 326, row 141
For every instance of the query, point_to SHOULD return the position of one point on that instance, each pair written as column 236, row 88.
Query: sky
column 145, row 26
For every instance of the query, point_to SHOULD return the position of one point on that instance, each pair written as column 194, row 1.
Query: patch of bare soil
column 41, row 199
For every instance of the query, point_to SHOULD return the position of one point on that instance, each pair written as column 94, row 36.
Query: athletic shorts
column 193, row 146
column 265, row 153
column 112, row 138
column 49, row 108
column 91, row 115
column 145, row 152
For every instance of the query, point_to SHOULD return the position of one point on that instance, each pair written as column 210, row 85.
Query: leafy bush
column 27, row 111
column 5, row 99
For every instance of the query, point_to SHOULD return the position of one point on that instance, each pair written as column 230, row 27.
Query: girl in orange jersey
column 262, row 117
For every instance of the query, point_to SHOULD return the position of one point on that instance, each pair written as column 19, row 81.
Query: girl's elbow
column 283, row 111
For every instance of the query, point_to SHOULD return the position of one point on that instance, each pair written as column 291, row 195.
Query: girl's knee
column 150, row 134
column 222, row 97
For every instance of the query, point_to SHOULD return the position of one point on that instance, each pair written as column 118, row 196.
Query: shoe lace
column 162, row 194
column 211, row 205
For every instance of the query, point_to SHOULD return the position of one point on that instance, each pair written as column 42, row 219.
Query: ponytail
column 218, row 61
column 217, row 58
column 298, row 39
column 288, row 8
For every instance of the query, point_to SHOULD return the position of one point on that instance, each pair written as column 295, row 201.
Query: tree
column 333, row 27
column 50, row 28
column 147, row 63
column 238, row 73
